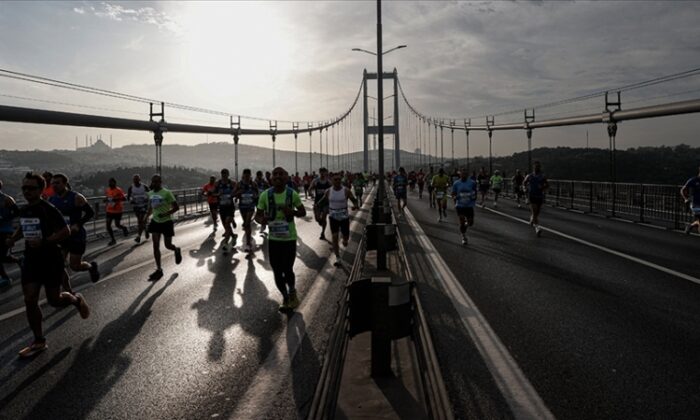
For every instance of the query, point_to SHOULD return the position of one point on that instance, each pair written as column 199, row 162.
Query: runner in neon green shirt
column 277, row 207
column 161, row 205
column 496, row 186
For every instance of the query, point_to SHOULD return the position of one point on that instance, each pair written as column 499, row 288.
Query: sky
column 292, row 61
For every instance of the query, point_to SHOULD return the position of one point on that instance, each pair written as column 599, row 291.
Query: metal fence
column 643, row 203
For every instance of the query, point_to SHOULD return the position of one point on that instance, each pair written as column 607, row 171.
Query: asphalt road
column 206, row 341
column 602, row 323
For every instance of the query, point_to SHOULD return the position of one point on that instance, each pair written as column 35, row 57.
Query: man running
column 496, row 185
column 247, row 195
column 162, row 205
column 76, row 211
column 412, row 181
column 483, row 180
column 431, row 190
column 209, row 191
column 224, row 190
column 319, row 187
column 48, row 190
column 262, row 185
column 358, row 185
column 517, row 181
column 441, row 183
column 420, row 180
column 277, row 207
column 464, row 194
column 691, row 194
column 114, row 197
column 43, row 228
column 337, row 198
column 307, row 183
column 8, row 212
column 399, row 183
column 536, row 185
column 137, row 195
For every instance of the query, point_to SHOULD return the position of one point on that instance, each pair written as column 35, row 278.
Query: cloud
column 119, row 13
column 79, row 10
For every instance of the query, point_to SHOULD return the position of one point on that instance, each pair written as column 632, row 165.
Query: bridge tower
column 388, row 129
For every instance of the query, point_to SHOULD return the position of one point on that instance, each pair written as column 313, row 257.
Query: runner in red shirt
column 212, row 199
column 115, row 198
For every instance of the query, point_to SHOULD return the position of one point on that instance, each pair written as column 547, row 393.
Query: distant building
column 97, row 147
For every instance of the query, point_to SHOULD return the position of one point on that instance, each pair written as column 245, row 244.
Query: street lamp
column 384, row 53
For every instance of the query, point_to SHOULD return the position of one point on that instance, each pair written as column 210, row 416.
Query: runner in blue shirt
column 536, row 185
column 399, row 183
column 464, row 193
column 691, row 194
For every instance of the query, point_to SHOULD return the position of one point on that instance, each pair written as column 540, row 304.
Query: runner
column 8, row 212
column 517, row 181
column 412, row 181
column 319, row 187
column 162, row 205
column 224, row 190
column 420, row 180
column 337, row 198
column 691, row 194
column 358, row 185
column 247, row 195
column 114, row 197
column 209, row 190
column 455, row 176
column 431, row 189
column 307, row 183
column 76, row 211
column 464, row 194
column 399, row 183
column 262, row 185
column 137, row 195
column 536, row 185
column 483, row 180
column 441, row 183
column 48, row 190
column 496, row 185
column 43, row 228
column 277, row 207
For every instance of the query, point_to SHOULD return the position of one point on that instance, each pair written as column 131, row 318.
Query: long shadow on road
column 98, row 366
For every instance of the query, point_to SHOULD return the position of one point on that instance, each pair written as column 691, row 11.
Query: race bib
column 400, row 188
column 339, row 214
column 695, row 210
column 246, row 199
column 279, row 229
column 139, row 200
column 225, row 199
column 465, row 197
column 31, row 227
column 156, row 201
column 440, row 195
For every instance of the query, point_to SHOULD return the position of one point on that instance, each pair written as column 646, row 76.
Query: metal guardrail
column 642, row 203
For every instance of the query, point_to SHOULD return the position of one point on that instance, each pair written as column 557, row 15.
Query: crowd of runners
column 52, row 222
column 52, row 225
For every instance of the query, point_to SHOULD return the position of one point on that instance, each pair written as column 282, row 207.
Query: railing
column 643, row 203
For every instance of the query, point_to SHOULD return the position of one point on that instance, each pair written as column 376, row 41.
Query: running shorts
column 467, row 212
column 226, row 211
column 342, row 226
column 74, row 245
column 536, row 200
column 164, row 228
column 496, row 190
column 47, row 271
column 117, row 217
column 213, row 207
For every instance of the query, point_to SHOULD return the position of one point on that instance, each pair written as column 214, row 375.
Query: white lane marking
column 605, row 249
column 278, row 363
column 521, row 396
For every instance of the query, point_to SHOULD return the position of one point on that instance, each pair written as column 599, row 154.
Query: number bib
column 156, row 201
column 465, row 197
column 31, row 227
column 440, row 195
column 246, row 199
column 225, row 199
column 339, row 214
column 279, row 228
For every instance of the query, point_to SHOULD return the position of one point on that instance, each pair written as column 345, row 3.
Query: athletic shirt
column 248, row 197
column 496, row 182
column 693, row 186
column 359, row 184
column 115, row 198
column 40, row 221
column 518, row 180
column 420, row 177
column 161, row 202
column 7, row 213
column 139, row 196
column 535, row 184
column 321, row 187
column 209, row 190
column 260, row 182
column 440, row 182
column 483, row 180
column 400, row 183
column 271, row 202
column 465, row 192
column 71, row 213
column 225, row 190
column 338, row 204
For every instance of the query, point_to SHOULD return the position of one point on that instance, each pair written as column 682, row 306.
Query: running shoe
column 284, row 307
column 337, row 262
column 34, row 348
column 82, row 306
column 178, row 255
column 440, row 218
column 345, row 243
column 464, row 240
column 112, row 242
column 495, row 205
column 156, row 275
column 538, row 231
column 94, row 272
column 137, row 239
column 322, row 237
column 147, row 235
column 125, row 230
column 293, row 300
